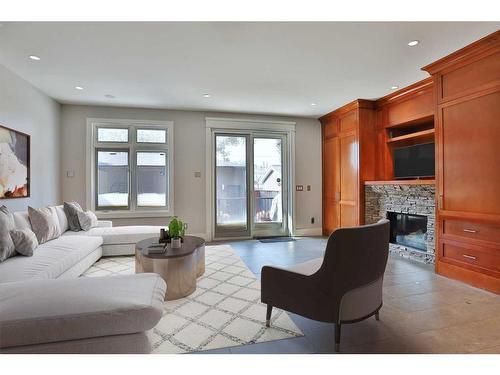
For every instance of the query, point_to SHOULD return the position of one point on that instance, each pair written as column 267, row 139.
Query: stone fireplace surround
column 410, row 199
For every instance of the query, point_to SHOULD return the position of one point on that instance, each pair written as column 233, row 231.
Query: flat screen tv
column 414, row 161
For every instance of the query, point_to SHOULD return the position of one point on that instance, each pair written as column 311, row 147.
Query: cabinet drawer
column 470, row 230
column 475, row 256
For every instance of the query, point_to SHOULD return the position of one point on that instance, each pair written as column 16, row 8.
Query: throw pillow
column 87, row 220
column 71, row 209
column 7, row 248
column 44, row 223
column 25, row 241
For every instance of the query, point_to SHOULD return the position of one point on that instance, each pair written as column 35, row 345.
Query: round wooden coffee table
column 178, row 267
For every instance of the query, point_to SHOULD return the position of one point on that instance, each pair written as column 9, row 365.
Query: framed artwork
column 14, row 164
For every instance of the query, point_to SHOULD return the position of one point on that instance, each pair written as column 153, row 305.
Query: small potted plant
column 176, row 231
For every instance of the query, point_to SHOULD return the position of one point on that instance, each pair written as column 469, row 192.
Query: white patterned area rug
column 224, row 311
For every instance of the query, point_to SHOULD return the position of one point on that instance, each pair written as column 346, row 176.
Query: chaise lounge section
column 85, row 315
column 47, row 308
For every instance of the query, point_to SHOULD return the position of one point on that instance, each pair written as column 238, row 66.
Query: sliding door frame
column 247, row 126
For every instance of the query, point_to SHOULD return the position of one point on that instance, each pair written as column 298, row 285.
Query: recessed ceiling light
column 109, row 96
column 413, row 43
column 394, row 87
column 34, row 57
column 207, row 95
column 79, row 87
column 314, row 104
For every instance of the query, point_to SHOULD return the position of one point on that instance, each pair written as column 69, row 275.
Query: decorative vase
column 176, row 243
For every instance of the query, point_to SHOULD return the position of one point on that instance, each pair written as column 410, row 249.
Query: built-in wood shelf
column 421, row 136
column 402, row 182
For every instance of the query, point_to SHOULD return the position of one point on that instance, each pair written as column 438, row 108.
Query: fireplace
column 408, row 230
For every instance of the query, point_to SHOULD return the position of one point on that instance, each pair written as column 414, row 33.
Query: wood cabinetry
column 410, row 108
column 467, row 102
column 348, row 151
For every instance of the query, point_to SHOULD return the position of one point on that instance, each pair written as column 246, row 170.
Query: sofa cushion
column 35, row 312
column 25, row 241
column 71, row 209
column 87, row 220
column 61, row 216
column 7, row 248
column 22, row 220
column 44, row 223
column 49, row 260
column 121, row 235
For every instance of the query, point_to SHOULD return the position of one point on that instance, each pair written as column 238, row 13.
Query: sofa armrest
column 104, row 224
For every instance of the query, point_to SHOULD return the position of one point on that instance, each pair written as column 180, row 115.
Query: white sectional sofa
column 46, row 308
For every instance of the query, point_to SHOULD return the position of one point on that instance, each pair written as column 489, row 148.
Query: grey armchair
column 345, row 286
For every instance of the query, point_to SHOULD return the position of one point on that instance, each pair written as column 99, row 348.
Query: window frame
column 133, row 147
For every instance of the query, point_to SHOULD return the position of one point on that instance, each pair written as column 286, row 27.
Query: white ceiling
column 267, row 68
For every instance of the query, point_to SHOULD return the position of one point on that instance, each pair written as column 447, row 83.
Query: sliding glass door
column 231, row 186
column 269, row 186
column 251, row 185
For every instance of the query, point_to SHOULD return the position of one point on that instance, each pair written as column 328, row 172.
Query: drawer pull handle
column 469, row 257
column 470, row 230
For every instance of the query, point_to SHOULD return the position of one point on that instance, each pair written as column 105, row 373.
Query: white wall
column 25, row 108
column 189, row 148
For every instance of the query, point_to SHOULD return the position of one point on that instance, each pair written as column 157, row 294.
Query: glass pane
column 112, row 179
column 231, row 181
column 152, row 178
column 112, row 135
column 267, row 180
column 151, row 136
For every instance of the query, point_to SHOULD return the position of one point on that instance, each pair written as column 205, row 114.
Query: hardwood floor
column 422, row 313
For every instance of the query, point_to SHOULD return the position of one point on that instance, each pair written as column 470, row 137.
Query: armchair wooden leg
column 337, row 337
column 377, row 316
column 268, row 315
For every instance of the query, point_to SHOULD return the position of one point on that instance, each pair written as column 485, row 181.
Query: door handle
column 440, row 201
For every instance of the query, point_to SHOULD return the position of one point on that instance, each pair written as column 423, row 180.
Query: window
column 129, row 168
column 151, row 179
column 112, row 179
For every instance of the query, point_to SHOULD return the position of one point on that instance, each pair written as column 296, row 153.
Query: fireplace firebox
column 408, row 230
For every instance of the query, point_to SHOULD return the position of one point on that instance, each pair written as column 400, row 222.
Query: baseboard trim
column 305, row 232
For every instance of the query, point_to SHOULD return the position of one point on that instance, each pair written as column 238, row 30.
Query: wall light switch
column 299, row 187
column 197, row 174
column 308, row 187
column 70, row 174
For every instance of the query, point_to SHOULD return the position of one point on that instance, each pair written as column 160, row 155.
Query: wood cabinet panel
column 330, row 216
column 349, row 167
column 330, row 129
column 469, row 166
column 348, row 122
column 330, row 167
column 348, row 215
column 470, row 77
column 411, row 109
column 331, row 184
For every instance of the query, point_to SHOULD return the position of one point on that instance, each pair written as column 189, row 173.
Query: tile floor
column 422, row 312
